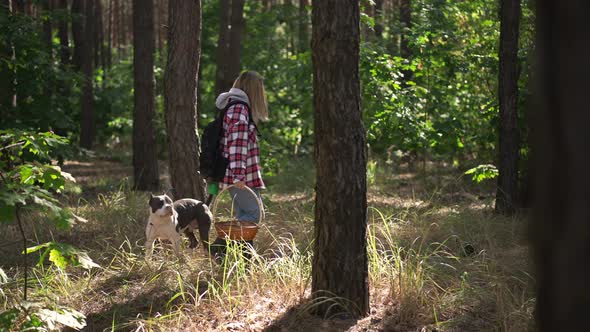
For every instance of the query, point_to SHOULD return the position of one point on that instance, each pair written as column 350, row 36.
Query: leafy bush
column 30, row 182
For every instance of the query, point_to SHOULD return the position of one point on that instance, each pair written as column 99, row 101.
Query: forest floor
column 440, row 260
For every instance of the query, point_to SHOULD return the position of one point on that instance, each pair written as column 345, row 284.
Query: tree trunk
column 506, row 194
column 303, row 26
column 560, row 222
column 78, row 32
column 100, row 38
column 232, row 65
column 109, row 55
column 87, row 117
column 116, row 27
column 145, row 159
column 379, row 18
column 96, row 35
column 340, row 264
column 180, row 83
column 235, row 40
column 405, row 12
column 222, row 48
column 62, row 32
column 47, row 28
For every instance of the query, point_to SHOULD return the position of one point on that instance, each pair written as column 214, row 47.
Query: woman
column 248, row 107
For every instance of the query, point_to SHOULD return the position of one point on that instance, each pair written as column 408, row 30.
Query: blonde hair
column 252, row 84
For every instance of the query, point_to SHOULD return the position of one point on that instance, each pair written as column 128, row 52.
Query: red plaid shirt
column 240, row 146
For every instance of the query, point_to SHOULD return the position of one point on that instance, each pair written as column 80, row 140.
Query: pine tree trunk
column 560, row 222
column 116, row 27
column 180, row 82
column 405, row 12
column 78, row 32
column 109, row 60
column 340, row 263
column 222, row 48
column 62, row 32
column 87, row 116
column 47, row 28
column 145, row 159
column 96, row 35
column 507, row 192
column 235, row 42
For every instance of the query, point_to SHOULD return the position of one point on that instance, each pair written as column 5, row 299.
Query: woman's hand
column 240, row 185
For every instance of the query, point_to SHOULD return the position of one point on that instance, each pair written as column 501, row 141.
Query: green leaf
column 39, row 247
column 62, row 317
column 57, row 258
column 7, row 319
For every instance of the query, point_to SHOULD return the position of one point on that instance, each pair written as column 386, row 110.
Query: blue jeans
column 245, row 205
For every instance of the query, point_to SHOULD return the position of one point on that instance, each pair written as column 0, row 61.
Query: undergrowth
column 438, row 259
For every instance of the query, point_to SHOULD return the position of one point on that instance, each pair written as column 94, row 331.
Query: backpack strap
column 250, row 119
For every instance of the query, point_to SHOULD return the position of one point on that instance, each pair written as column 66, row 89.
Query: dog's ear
column 151, row 197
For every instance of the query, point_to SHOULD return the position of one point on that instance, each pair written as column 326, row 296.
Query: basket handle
column 258, row 201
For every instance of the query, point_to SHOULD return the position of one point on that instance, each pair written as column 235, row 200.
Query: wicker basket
column 235, row 229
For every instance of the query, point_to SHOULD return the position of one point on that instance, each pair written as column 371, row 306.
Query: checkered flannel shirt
column 240, row 146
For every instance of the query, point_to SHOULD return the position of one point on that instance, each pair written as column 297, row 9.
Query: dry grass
column 423, row 274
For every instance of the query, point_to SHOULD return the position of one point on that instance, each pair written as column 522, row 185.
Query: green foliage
column 483, row 172
column 40, row 317
column 63, row 255
column 46, row 92
column 30, row 181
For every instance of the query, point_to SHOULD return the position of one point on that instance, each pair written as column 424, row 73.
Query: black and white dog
column 168, row 219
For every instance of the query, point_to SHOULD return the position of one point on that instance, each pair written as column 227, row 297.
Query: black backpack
column 212, row 164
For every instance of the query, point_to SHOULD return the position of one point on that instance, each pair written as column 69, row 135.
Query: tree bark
column 231, row 60
column 78, row 32
column 235, row 41
column 507, row 192
column 87, row 117
column 145, row 159
column 180, row 83
column 109, row 55
column 560, row 222
column 62, row 32
column 222, row 48
column 340, row 263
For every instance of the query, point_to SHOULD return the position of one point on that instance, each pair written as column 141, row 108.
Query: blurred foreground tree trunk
column 507, row 192
column 180, row 83
column 340, row 263
column 560, row 225
column 145, row 159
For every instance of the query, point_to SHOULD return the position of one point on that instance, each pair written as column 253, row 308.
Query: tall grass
column 419, row 271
